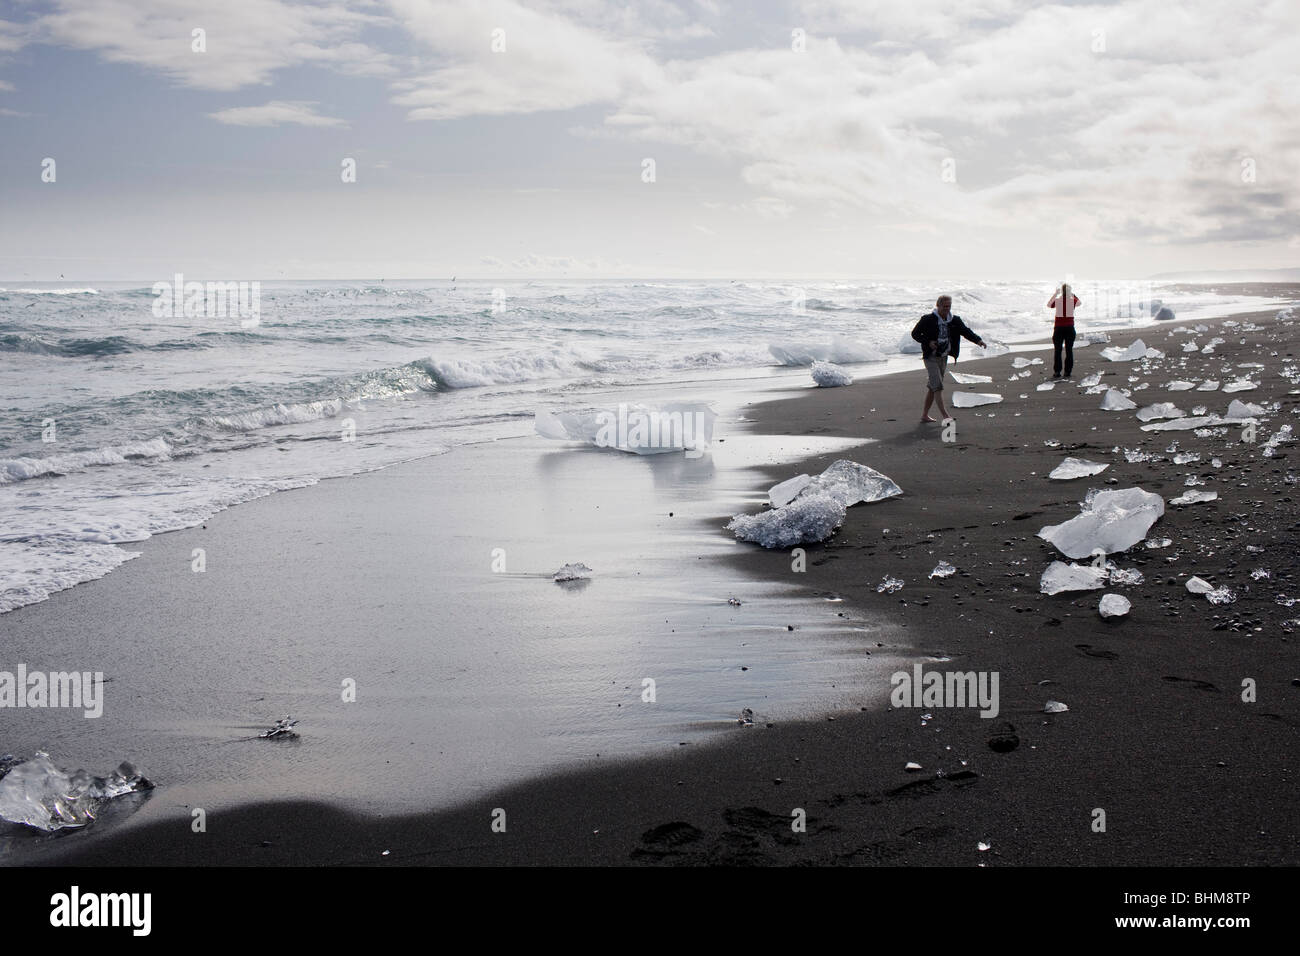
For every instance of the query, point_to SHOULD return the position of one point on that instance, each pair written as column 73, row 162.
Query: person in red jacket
column 1063, row 302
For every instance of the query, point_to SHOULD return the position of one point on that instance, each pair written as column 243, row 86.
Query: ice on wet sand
column 1160, row 410
column 572, row 572
column 811, row 509
column 780, row 495
column 634, row 427
column 1112, row 520
column 972, row 399
column 1135, row 351
column 38, row 794
column 1060, row 577
column 1113, row 605
column 1194, row 497
column 966, row 378
column 1077, row 468
column 1114, row 401
column 827, row 375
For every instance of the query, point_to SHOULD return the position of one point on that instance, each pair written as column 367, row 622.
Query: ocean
column 122, row 422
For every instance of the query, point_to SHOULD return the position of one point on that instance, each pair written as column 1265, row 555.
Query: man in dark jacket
column 940, row 334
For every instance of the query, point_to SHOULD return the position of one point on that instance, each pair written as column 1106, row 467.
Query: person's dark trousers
column 1063, row 335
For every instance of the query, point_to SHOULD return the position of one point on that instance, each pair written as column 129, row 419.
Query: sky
column 836, row 139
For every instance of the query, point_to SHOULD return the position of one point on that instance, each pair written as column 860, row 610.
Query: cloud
column 247, row 41
column 276, row 113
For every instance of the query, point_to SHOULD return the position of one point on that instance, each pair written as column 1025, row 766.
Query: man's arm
column 968, row 334
column 920, row 333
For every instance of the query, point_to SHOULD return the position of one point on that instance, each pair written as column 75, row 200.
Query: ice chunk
column 1135, row 351
column 1060, row 577
column 1154, row 543
column 972, row 399
column 1091, row 380
column 1238, row 409
column 1283, row 434
column 634, row 427
column 840, row 349
column 1186, row 424
column 1046, row 386
column 995, row 348
column 1194, row 497
column 889, row 585
column 1199, row 586
column 943, row 570
column 1241, row 385
column 572, row 572
column 1160, row 410
column 1125, row 575
column 1209, row 385
column 966, row 378
column 1180, row 386
column 1077, row 468
column 806, row 520
column 1109, row 521
column 38, row 794
column 1221, row 596
column 851, row 484
column 1114, row 401
column 1054, row 707
column 1113, row 605
column 785, row 492
column 827, row 375
column 282, row 729
column 1021, row 362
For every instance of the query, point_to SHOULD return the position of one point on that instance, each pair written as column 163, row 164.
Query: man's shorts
column 934, row 368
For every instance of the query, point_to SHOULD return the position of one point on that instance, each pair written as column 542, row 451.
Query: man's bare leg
column 943, row 412
column 929, row 400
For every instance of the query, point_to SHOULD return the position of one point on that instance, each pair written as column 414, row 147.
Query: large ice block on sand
column 634, row 427
column 827, row 375
column 1238, row 410
column 1114, row 401
column 781, row 494
column 972, row 399
column 1077, row 468
column 851, row 483
column 38, row 794
column 1112, row 520
column 806, row 520
column 806, row 510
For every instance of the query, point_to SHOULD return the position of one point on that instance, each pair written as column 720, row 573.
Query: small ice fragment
column 1054, row 707
column 1113, row 605
column 1052, row 443
column 1221, row 596
column 1194, row 497
column 573, row 572
column 1114, row 401
column 982, row 846
column 806, row 520
column 827, row 375
column 943, row 570
column 1112, row 520
column 1236, row 409
column 992, row 348
column 1091, row 380
column 1153, row 543
column 1060, row 577
column 1241, row 385
column 780, row 495
column 282, row 729
column 1046, row 386
column 746, row 718
column 1180, row 386
column 912, row 766
column 1077, row 468
column 1186, row 457
column 889, row 585
column 1199, row 410
column 1259, row 574
column 972, row 399
column 1020, row 362
column 1199, row 585
column 966, row 378
column 1116, row 354
column 1160, row 410
column 1122, row 576
column 1134, row 455
column 1209, row 385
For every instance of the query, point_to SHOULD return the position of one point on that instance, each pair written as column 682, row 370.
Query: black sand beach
column 1157, row 734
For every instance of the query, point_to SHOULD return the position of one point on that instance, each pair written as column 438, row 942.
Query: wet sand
column 1157, row 734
